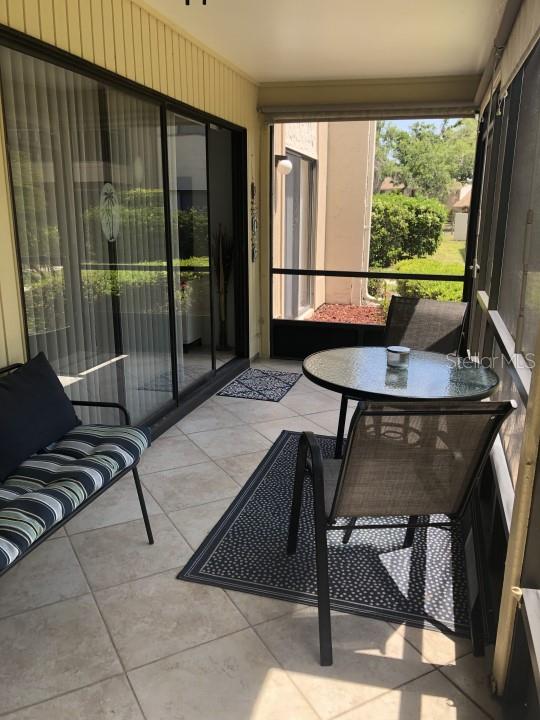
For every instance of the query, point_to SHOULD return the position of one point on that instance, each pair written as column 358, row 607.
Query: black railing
column 382, row 275
column 145, row 268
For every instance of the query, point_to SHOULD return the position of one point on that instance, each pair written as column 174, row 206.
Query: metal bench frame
column 133, row 469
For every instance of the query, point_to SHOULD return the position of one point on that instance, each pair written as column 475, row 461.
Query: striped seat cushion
column 49, row 486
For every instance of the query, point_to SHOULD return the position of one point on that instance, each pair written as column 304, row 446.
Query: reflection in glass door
column 224, row 242
column 89, row 205
column 192, row 278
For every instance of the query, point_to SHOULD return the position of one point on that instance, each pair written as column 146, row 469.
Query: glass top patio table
column 362, row 372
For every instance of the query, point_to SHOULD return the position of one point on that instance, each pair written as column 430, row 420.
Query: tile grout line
column 123, row 672
column 291, row 679
column 204, row 504
column 385, row 692
column 237, row 454
column 107, row 629
column 440, row 666
column 410, row 642
column 186, row 507
column 114, row 524
column 336, row 717
column 168, row 469
column 47, row 605
column 184, row 538
column 464, row 692
column 164, row 657
column 214, row 460
column 187, row 649
column 62, row 694
column 128, row 680
column 142, row 577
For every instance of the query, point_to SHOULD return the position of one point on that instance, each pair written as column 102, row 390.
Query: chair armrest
column 309, row 450
column 94, row 403
column 307, row 441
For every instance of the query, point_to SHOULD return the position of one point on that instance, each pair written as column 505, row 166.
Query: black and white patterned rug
column 256, row 384
column 372, row 575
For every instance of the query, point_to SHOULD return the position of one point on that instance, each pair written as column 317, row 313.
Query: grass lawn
column 450, row 251
column 448, row 260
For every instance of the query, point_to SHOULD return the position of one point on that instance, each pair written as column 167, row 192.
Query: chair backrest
column 425, row 324
column 415, row 458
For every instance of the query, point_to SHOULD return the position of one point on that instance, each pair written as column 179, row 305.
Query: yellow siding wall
column 127, row 38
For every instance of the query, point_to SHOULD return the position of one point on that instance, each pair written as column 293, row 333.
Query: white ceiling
column 286, row 40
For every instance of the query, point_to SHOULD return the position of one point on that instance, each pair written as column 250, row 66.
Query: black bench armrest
column 84, row 403
column 10, row 368
column 91, row 403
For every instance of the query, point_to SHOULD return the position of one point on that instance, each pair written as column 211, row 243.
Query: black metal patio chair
column 422, row 324
column 419, row 324
column 409, row 460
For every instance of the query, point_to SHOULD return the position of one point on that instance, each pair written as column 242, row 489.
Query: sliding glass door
column 191, row 251
column 89, row 207
column 123, row 285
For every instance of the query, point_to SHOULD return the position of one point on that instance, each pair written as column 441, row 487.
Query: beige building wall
column 345, row 153
column 310, row 140
column 127, row 38
column 351, row 155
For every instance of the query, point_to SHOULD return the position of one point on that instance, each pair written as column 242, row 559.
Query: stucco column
column 351, row 148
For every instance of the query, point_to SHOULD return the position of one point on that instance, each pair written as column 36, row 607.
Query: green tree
column 385, row 165
column 460, row 141
column 422, row 163
column 428, row 160
column 404, row 227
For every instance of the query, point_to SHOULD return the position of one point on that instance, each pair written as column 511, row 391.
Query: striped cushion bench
column 50, row 486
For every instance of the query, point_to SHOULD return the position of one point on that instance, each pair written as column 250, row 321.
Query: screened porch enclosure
column 194, row 198
column 346, row 238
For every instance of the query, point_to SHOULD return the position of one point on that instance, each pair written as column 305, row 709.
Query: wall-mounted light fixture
column 283, row 164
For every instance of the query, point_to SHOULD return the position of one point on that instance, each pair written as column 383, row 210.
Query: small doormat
column 255, row 384
column 372, row 575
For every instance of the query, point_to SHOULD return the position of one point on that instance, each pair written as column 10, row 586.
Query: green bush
column 143, row 208
column 404, row 227
column 45, row 292
column 433, row 289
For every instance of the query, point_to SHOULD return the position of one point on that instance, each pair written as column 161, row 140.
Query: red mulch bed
column 364, row 315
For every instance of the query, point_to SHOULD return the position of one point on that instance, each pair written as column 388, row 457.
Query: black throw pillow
column 34, row 412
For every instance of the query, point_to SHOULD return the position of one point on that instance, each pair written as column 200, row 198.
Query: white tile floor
column 94, row 625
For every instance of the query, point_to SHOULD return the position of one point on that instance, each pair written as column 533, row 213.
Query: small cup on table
column 397, row 357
